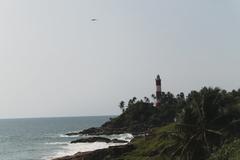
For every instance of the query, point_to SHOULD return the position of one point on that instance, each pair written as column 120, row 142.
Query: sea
column 45, row 138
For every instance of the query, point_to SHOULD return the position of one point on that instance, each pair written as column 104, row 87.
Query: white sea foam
column 126, row 136
column 67, row 136
column 71, row 149
column 57, row 143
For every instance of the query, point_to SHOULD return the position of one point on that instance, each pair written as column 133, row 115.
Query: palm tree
column 134, row 99
column 130, row 103
column 122, row 106
column 153, row 97
column 146, row 99
column 199, row 132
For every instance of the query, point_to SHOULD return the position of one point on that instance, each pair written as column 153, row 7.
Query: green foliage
column 122, row 106
column 205, row 120
column 139, row 115
column 229, row 151
column 204, row 124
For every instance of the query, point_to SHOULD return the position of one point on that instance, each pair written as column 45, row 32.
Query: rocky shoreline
column 122, row 146
column 99, row 154
column 128, row 122
column 98, row 139
column 104, row 131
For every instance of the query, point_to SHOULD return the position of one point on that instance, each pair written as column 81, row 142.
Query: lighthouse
column 158, row 91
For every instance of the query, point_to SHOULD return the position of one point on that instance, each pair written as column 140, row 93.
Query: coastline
column 99, row 153
column 124, row 127
column 83, row 149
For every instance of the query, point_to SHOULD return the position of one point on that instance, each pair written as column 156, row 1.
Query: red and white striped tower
column 158, row 91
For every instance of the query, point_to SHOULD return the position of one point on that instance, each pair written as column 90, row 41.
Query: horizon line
column 42, row 117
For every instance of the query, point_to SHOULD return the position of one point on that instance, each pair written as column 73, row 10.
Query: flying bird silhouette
column 93, row 19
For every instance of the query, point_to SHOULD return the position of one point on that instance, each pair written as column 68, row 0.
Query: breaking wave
column 57, row 143
column 70, row 149
column 67, row 136
column 66, row 148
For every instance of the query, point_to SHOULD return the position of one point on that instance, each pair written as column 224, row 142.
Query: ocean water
column 44, row 138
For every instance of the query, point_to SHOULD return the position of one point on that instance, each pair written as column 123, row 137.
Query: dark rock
column 72, row 133
column 108, row 130
column 136, row 130
column 100, row 154
column 77, row 156
column 98, row 139
column 92, row 131
column 103, row 131
column 92, row 139
column 118, row 141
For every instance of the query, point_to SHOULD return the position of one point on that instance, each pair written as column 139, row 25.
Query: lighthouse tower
column 158, row 91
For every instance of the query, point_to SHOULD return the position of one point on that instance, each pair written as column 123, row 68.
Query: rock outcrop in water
column 98, row 139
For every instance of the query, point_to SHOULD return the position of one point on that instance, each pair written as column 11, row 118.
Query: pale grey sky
column 55, row 61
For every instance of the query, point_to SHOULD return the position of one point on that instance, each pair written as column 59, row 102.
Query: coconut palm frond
column 214, row 132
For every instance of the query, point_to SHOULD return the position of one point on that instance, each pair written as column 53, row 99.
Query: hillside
column 206, row 128
column 205, row 125
column 138, row 118
column 149, row 147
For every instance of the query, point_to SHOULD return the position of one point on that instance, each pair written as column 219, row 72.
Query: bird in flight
column 93, row 19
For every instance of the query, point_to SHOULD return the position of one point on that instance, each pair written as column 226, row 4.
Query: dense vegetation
column 141, row 115
column 203, row 125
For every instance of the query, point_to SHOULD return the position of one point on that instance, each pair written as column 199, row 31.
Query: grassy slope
column 148, row 148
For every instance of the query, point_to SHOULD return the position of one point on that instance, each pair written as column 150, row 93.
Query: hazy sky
column 55, row 61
